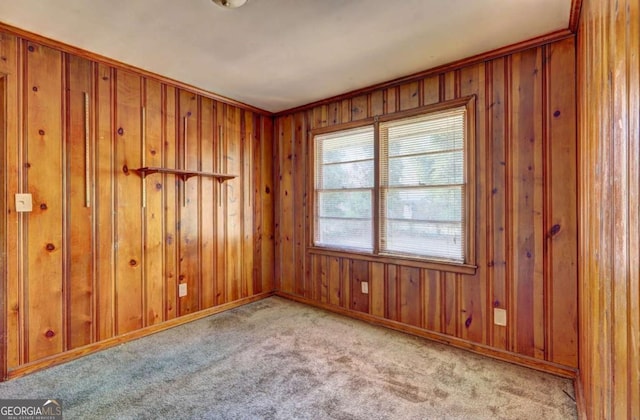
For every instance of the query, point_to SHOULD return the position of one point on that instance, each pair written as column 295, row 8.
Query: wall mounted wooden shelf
column 182, row 173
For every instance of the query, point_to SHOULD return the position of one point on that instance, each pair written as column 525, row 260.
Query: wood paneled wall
column 609, row 148
column 103, row 252
column 526, row 214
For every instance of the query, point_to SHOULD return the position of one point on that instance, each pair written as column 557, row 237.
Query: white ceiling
column 278, row 54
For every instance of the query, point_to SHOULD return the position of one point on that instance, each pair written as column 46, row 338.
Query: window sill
column 396, row 259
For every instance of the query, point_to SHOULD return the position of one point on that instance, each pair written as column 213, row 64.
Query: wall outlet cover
column 364, row 286
column 500, row 316
column 182, row 290
column 24, row 202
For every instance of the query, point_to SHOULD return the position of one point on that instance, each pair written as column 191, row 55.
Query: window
column 397, row 186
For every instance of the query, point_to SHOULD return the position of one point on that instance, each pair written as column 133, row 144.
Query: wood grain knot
column 133, row 263
column 556, row 114
column 467, row 323
column 43, row 206
column 120, row 131
column 41, row 132
column 125, row 169
column 189, row 113
column 31, row 48
column 181, row 277
column 27, row 165
column 49, row 334
column 267, row 190
column 50, row 247
column 35, row 88
column 555, row 229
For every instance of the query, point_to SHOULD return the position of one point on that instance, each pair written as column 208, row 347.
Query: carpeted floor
column 276, row 359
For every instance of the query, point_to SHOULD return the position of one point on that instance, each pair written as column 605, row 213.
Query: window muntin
column 396, row 187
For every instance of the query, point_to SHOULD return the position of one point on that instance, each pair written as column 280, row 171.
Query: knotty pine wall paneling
column 609, row 240
column 526, row 214
column 104, row 251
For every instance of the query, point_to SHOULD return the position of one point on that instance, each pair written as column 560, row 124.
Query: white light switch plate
column 364, row 286
column 500, row 316
column 24, row 203
column 182, row 290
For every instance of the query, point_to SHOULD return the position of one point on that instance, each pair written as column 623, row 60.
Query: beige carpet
column 276, row 359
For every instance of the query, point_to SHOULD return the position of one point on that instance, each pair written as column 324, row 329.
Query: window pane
column 347, row 175
column 438, row 240
column 346, row 146
column 344, row 233
column 431, row 133
column 427, row 204
column 422, row 184
column 434, row 169
column 344, row 204
column 344, row 178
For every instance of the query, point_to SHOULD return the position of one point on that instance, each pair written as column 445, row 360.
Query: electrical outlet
column 364, row 287
column 182, row 290
column 24, row 203
column 500, row 316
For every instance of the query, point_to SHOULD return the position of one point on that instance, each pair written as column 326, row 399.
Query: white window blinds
column 422, row 185
column 344, row 185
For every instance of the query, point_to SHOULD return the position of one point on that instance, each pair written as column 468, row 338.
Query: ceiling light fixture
column 230, row 4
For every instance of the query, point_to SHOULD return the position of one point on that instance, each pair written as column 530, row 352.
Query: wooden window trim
column 469, row 266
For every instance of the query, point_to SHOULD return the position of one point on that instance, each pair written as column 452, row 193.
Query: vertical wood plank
column 335, row 287
column 79, row 285
column 377, row 103
column 171, row 215
column 208, row 205
column 450, row 303
column 44, row 146
column 497, row 219
column 473, row 296
column 233, row 187
column 359, row 107
column 129, row 293
column 189, row 226
column 298, row 163
column 377, row 290
column 561, row 228
column 13, row 169
column 359, row 273
column 287, row 216
column 409, row 95
column 392, row 295
column 105, row 202
column 527, row 183
column 345, row 277
column 431, row 90
column 221, row 205
column 248, row 203
column 154, row 206
column 432, row 307
column 267, row 191
column 410, row 294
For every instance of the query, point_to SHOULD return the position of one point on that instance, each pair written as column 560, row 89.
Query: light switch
column 500, row 316
column 24, row 203
column 182, row 290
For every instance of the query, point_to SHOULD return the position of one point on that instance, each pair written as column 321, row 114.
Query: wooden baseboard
column 581, row 405
column 114, row 341
column 530, row 362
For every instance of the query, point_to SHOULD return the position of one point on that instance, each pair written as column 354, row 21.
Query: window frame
column 466, row 267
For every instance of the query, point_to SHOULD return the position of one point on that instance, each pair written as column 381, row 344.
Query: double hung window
column 398, row 185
